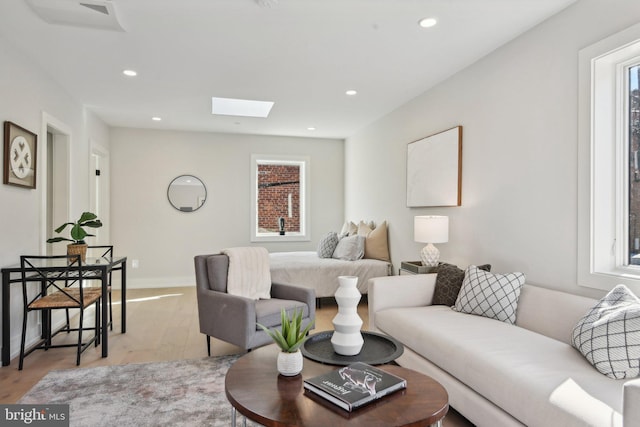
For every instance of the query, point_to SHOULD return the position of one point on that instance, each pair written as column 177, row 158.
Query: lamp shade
column 431, row 229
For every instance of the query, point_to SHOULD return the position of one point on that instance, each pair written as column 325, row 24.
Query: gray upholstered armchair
column 234, row 318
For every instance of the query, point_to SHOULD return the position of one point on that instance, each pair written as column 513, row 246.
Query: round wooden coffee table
column 255, row 389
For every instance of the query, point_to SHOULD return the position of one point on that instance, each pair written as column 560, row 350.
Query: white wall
column 147, row 228
column 28, row 94
column 518, row 108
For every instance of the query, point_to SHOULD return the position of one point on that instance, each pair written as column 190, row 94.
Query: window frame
column 304, row 163
column 603, row 167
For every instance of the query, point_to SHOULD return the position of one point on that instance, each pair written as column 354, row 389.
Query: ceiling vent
column 99, row 14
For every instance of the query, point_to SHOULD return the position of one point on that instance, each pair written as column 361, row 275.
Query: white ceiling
column 301, row 54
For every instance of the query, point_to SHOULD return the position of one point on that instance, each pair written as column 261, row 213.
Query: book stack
column 355, row 385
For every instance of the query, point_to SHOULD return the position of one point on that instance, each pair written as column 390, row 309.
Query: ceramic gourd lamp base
column 347, row 339
column 289, row 364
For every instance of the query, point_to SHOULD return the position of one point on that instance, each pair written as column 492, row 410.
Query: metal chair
column 106, row 252
column 61, row 287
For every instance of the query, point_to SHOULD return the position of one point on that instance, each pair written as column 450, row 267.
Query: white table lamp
column 430, row 229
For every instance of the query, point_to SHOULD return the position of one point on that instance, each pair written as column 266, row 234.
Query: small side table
column 415, row 267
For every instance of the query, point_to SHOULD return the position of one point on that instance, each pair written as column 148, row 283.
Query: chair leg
column 68, row 323
column 24, row 336
column 97, row 327
column 110, row 313
column 209, row 345
column 80, row 336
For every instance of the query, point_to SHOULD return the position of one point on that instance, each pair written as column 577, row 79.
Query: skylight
column 240, row 107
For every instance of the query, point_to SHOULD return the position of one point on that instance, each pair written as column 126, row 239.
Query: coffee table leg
column 233, row 416
column 437, row 424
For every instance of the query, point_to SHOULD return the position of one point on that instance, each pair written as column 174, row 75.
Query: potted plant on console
column 78, row 246
column 289, row 339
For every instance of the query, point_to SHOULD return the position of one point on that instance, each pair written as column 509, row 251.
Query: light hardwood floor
column 162, row 325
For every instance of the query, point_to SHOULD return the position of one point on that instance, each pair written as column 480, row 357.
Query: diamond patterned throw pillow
column 490, row 295
column 609, row 334
column 448, row 283
column 327, row 245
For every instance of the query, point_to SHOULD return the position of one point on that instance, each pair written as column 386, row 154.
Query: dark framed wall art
column 20, row 149
column 434, row 170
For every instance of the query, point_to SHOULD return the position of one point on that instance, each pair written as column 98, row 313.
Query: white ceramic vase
column 347, row 339
column 289, row 364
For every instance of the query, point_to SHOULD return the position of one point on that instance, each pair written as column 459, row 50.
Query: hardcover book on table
column 355, row 385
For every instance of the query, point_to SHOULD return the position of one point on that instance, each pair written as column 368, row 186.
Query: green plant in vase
column 78, row 233
column 289, row 338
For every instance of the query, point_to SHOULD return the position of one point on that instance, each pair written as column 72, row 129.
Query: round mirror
column 187, row 193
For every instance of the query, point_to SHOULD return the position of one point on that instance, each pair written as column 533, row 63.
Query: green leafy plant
column 290, row 338
column 78, row 232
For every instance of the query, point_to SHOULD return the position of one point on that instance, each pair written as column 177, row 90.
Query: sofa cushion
column 490, row 295
column 448, row 283
column 350, row 248
column 538, row 380
column 328, row 244
column 609, row 334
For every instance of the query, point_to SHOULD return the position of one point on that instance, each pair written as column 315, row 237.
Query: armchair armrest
column 631, row 403
column 296, row 293
column 218, row 309
column 399, row 291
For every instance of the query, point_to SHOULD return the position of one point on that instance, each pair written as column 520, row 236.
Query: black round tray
column 376, row 350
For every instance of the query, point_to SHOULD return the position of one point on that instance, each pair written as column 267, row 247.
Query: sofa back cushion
column 551, row 313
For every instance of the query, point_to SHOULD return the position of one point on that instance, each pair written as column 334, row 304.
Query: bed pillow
column 328, row 244
column 348, row 229
column 376, row 245
column 350, row 248
column 608, row 336
column 490, row 295
column 448, row 283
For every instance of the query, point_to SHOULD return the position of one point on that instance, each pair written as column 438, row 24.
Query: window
column 279, row 199
column 609, row 163
column 632, row 115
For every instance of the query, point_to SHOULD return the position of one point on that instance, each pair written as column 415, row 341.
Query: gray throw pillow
column 608, row 336
column 490, row 295
column 327, row 245
column 350, row 248
column 448, row 283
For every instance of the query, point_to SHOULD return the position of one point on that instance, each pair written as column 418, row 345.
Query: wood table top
column 257, row 391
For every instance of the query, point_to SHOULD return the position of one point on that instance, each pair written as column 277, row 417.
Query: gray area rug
column 178, row 393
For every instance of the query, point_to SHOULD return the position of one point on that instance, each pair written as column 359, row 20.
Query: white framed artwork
column 434, row 170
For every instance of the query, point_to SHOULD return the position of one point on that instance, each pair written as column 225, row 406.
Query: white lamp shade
column 431, row 229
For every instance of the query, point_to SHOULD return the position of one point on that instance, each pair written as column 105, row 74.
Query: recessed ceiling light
column 156, row 119
column 351, row 92
column 311, row 128
column 130, row 73
column 240, row 107
column 427, row 22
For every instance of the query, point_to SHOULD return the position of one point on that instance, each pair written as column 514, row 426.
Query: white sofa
column 498, row 374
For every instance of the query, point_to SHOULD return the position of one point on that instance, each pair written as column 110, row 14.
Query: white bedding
column 308, row 270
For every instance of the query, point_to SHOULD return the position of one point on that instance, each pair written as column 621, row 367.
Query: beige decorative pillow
column 348, row 229
column 376, row 245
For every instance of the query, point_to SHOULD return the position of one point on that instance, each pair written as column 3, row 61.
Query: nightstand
column 415, row 267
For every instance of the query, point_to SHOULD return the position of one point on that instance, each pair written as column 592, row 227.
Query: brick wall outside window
column 275, row 184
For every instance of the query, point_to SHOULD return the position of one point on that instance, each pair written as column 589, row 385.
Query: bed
column 308, row 270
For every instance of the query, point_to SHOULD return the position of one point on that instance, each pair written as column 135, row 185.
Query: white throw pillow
column 350, row 248
column 609, row 334
column 489, row 294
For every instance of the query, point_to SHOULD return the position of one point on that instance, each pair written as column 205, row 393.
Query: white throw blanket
column 249, row 275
